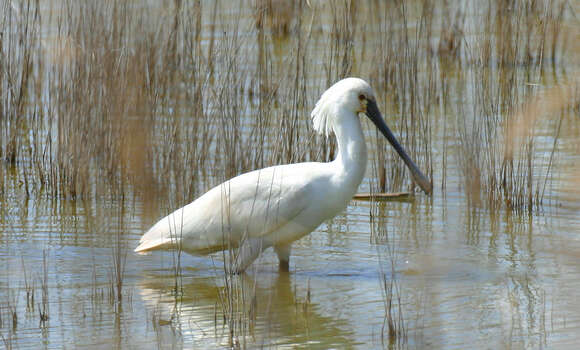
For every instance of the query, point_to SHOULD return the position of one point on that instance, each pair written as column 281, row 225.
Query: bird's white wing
column 251, row 205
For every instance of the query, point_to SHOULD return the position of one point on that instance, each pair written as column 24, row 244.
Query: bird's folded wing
column 251, row 205
column 267, row 201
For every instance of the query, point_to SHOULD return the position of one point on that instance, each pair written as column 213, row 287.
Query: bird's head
column 353, row 96
column 347, row 95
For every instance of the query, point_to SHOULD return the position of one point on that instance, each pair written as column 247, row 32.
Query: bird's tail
column 155, row 239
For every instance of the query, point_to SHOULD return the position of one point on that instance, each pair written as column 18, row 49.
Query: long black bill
column 375, row 116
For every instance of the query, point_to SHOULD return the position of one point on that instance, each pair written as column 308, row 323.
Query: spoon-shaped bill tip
column 375, row 116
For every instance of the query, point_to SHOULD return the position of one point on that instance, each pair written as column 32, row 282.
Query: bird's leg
column 246, row 254
column 283, row 252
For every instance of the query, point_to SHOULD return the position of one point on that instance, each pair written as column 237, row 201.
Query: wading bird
column 276, row 206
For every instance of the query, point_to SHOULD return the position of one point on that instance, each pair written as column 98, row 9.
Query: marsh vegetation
column 114, row 113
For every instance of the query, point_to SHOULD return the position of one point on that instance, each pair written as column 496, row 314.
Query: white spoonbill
column 276, row 206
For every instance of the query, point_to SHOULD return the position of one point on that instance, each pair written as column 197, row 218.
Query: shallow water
column 463, row 276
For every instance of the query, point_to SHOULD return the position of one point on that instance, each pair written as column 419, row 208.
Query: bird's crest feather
column 322, row 116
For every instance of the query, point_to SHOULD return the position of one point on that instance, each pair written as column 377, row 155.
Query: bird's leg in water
column 283, row 252
column 246, row 254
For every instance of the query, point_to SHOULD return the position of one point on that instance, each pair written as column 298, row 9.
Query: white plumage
column 275, row 206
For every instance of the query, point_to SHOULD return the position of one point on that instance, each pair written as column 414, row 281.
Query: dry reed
column 497, row 136
column 122, row 104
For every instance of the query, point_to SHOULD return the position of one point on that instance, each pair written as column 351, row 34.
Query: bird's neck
column 351, row 160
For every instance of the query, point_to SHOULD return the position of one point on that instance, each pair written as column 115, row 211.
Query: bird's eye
column 361, row 97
